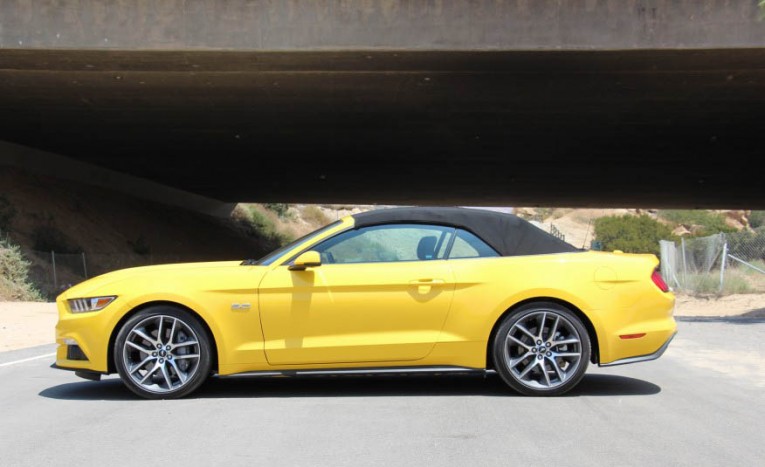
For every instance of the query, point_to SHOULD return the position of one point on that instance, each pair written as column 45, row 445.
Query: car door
column 382, row 293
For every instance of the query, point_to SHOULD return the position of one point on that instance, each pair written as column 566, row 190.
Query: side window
column 467, row 245
column 385, row 243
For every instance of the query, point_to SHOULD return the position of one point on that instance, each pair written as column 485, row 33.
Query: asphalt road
column 702, row 403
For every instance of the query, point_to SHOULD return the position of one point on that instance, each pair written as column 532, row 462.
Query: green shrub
column 757, row 219
column 631, row 234
column 710, row 222
column 14, row 275
column 258, row 224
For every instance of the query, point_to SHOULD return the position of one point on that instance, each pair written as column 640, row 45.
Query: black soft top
column 508, row 234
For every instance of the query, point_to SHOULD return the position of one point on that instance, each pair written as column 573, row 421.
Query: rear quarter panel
column 613, row 291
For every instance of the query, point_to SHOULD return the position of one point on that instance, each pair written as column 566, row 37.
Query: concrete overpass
column 576, row 103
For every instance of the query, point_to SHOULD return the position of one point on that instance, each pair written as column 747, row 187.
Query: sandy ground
column 24, row 324
column 30, row 324
column 750, row 305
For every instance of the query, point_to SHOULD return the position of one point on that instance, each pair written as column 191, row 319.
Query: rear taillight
column 659, row 281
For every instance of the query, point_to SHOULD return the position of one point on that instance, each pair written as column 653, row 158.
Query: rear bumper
column 643, row 358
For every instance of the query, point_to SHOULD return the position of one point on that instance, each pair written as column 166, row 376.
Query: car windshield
column 271, row 257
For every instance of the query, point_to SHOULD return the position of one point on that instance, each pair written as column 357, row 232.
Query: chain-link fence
column 717, row 264
column 52, row 272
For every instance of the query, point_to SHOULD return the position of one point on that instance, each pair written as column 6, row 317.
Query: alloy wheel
column 161, row 354
column 543, row 350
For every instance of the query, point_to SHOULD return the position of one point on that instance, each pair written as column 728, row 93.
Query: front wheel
column 541, row 349
column 162, row 353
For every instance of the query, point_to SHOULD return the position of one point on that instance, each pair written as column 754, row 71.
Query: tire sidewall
column 205, row 358
column 513, row 317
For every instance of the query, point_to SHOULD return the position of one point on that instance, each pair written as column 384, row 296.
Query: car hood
column 109, row 280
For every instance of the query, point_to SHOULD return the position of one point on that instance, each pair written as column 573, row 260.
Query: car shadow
column 112, row 389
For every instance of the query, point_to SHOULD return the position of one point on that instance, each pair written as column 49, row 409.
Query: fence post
column 722, row 265
column 84, row 265
column 55, row 279
column 685, row 263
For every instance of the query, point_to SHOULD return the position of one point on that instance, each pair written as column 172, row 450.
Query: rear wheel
column 542, row 349
column 162, row 353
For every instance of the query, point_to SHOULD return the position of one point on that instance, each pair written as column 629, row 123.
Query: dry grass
column 314, row 215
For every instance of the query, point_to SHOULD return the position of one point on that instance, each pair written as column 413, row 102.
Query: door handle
column 427, row 281
column 424, row 286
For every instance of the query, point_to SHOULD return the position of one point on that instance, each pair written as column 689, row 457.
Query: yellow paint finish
column 377, row 314
column 355, row 312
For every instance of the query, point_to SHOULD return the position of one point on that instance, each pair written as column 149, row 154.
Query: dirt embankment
column 112, row 229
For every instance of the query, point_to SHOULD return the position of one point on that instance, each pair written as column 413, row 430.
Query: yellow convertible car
column 391, row 290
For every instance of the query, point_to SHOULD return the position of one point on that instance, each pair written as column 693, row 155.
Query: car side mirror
column 309, row 259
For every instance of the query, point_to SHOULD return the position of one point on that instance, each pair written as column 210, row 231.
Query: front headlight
column 84, row 305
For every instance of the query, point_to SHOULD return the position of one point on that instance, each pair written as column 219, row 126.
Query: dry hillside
column 578, row 224
column 112, row 229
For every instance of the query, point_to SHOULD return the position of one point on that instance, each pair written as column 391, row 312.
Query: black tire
column 173, row 370
column 532, row 365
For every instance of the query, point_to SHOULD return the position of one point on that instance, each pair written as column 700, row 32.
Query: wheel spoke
column 525, row 331
column 140, row 365
column 150, row 372
column 542, row 326
column 527, row 369
column 159, row 330
column 554, row 329
column 172, row 331
column 565, row 342
column 519, row 342
column 182, row 344
column 139, row 348
column 518, row 360
column 558, row 371
column 144, row 336
column 567, row 354
column 181, row 375
column 167, row 377
column 186, row 356
column 544, row 372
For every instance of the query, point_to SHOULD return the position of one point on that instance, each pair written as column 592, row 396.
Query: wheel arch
column 113, row 337
column 593, row 335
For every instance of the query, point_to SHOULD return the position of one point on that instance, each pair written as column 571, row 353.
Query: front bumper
column 83, row 338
